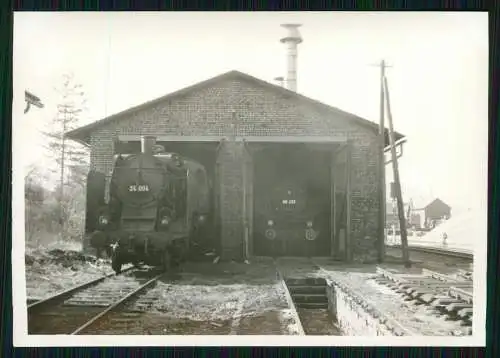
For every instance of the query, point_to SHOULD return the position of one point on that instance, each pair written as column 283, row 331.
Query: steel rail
column 40, row 304
column 438, row 276
column 444, row 288
column 440, row 251
column 289, row 300
column 114, row 305
column 461, row 294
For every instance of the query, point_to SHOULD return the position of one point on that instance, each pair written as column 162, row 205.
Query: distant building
column 422, row 215
column 431, row 214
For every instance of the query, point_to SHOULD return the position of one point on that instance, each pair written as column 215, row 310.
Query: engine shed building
column 235, row 124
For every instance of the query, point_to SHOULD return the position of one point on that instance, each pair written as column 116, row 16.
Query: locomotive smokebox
column 147, row 144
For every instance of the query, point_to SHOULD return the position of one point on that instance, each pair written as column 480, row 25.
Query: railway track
column 291, row 304
column 439, row 251
column 35, row 303
column 78, row 309
column 445, row 295
column 117, row 304
column 308, row 303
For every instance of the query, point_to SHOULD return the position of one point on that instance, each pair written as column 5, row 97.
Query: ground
column 417, row 318
column 231, row 298
column 58, row 267
column 203, row 298
column 360, row 278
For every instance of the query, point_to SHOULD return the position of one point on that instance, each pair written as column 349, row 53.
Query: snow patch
column 216, row 302
column 288, row 320
column 51, row 271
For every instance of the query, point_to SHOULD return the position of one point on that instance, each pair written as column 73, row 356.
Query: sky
column 438, row 81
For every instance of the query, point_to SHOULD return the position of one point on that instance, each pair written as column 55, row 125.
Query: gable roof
column 420, row 204
column 82, row 134
column 437, row 200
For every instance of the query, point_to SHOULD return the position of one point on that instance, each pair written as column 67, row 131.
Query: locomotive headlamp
column 165, row 220
column 201, row 218
column 270, row 234
column 270, row 222
column 309, row 223
column 103, row 220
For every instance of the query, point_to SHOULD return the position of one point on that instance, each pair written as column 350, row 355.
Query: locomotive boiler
column 158, row 208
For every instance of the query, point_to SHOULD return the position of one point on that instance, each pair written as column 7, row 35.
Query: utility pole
column 397, row 182
column 382, row 189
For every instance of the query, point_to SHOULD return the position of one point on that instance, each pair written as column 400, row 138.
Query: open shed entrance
column 294, row 199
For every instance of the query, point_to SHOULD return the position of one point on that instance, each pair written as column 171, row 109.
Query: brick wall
column 231, row 199
column 241, row 107
column 364, row 198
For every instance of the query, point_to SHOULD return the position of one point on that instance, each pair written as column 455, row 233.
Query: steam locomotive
column 292, row 203
column 157, row 210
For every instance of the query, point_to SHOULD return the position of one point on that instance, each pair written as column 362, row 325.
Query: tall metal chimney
column 147, row 144
column 292, row 39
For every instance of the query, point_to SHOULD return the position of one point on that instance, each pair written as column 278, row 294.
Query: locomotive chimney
column 292, row 39
column 147, row 144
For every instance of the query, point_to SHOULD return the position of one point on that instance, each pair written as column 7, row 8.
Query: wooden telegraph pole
column 397, row 182
column 381, row 163
column 382, row 197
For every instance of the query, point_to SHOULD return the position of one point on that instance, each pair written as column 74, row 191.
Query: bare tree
column 71, row 158
column 34, row 197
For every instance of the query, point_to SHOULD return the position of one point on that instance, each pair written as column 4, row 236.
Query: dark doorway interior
column 292, row 191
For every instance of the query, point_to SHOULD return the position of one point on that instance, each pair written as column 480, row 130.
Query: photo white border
column 22, row 339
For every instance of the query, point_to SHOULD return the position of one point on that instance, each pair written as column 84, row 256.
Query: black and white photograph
column 249, row 178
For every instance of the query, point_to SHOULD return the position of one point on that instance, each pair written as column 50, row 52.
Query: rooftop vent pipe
column 292, row 39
